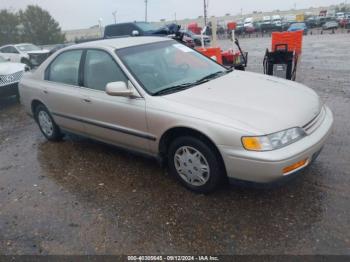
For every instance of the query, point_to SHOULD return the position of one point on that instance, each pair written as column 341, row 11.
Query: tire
column 47, row 125
column 183, row 154
column 18, row 98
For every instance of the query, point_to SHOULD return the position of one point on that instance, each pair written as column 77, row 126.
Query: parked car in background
column 197, row 38
column 144, row 29
column 323, row 20
column 240, row 27
column 249, row 24
column 10, row 74
column 339, row 16
column 277, row 21
column 188, row 40
column 161, row 98
column 312, row 22
column 57, row 47
column 266, row 20
column 330, row 25
column 137, row 29
column 298, row 27
column 345, row 23
column 28, row 54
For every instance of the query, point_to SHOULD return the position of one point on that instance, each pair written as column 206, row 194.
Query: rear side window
column 101, row 69
column 9, row 50
column 65, row 68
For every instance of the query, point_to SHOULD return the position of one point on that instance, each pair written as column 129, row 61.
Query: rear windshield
column 147, row 26
column 127, row 29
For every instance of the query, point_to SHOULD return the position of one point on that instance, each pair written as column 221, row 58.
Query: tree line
column 33, row 25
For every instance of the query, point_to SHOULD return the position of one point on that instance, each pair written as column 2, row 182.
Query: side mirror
column 119, row 89
column 135, row 33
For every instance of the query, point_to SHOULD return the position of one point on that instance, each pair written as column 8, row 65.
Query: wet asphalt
column 84, row 197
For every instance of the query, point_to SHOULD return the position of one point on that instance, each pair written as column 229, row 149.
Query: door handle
column 46, row 92
column 87, row 100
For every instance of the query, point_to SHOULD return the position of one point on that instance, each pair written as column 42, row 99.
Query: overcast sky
column 76, row 14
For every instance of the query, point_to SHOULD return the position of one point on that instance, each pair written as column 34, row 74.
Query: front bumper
column 9, row 90
column 267, row 167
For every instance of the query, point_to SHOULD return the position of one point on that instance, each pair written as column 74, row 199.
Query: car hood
column 39, row 52
column 264, row 104
column 8, row 68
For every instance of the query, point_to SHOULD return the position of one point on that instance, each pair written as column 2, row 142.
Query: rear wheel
column 47, row 125
column 195, row 164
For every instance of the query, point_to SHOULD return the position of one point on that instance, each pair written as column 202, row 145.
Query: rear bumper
column 267, row 167
column 9, row 90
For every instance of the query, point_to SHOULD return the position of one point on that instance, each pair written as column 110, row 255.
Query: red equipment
column 231, row 26
column 294, row 40
column 194, row 28
column 237, row 60
column 212, row 52
column 282, row 61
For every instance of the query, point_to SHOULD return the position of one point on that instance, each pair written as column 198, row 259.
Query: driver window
column 101, row 69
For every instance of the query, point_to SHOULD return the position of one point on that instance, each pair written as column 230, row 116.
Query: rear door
column 61, row 91
column 117, row 120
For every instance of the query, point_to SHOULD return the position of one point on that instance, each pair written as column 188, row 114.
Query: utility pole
column 100, row 26
column 146, row 11
column 205, row 12
column 115, row 16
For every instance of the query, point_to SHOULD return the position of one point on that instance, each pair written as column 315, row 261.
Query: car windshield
column 28, row 47
column 147, row 26
column 168, row 66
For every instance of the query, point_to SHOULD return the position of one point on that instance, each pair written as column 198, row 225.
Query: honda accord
column 161, row 98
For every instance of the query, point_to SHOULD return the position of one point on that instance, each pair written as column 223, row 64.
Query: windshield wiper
column 214, row 75
column 185, row 86
column 174, row 89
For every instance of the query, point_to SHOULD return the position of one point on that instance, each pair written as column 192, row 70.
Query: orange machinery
column 283, row 59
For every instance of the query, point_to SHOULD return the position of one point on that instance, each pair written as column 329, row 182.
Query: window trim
column 83, row 61
column 47, row 70
column 125, row 71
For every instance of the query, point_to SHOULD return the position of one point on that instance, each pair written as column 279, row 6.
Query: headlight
column 273, row 141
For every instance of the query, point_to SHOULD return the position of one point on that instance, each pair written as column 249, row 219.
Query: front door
column 117, row 120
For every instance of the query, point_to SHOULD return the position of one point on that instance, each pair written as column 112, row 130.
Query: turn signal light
column 251, row 143
column 295, row 166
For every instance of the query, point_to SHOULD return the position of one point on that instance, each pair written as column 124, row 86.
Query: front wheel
column 195, row 164
column 47, row 125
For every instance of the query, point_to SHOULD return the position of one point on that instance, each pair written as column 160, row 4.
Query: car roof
column 122, row 42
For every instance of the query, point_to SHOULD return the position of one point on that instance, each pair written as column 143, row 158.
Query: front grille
column 312, row 126
column 11, row 79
